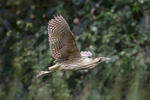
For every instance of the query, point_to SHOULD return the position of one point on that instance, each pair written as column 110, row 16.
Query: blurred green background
column 119, row 29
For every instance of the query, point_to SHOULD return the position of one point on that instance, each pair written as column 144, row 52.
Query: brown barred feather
column 61, row 40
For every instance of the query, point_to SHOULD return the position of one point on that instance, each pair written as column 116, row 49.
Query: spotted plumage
column 61, row 40
column 64, row 50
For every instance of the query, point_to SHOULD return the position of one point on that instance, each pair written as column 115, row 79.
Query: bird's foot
column 42, row 73
column 52, row 68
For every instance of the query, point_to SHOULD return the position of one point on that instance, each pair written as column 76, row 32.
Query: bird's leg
column 42, row 73
column 52, row 68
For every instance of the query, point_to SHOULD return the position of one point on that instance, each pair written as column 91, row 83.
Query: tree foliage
column 119, row 29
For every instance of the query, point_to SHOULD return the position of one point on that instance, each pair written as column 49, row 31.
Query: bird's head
column 91, row 62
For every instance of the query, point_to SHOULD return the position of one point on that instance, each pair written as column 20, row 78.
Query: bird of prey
column 64, row 49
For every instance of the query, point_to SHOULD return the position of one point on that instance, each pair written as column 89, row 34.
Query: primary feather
column 61, row 40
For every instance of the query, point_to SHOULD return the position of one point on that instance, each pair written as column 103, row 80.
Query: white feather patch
column 86, row 53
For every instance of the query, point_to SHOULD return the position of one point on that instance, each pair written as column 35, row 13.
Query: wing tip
column 54, row 22
column 56, row 17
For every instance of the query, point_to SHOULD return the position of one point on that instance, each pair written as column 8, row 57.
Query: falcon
column 64, row 49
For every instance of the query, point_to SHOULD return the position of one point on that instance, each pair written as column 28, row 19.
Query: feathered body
column 64, row 49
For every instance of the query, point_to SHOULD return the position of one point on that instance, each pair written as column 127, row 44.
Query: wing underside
column 61, row 40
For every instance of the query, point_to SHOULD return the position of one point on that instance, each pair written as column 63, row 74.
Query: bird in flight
column 64, row 49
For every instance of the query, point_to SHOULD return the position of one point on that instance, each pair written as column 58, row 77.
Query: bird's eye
column 100, row 60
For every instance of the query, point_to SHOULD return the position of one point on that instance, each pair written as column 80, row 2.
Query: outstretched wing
column 61, row 40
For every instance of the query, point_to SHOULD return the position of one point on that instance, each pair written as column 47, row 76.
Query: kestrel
column 64, row 49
